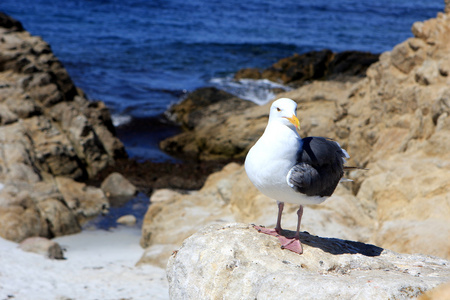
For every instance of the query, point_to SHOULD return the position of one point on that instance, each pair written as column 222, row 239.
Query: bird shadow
column 335, row 246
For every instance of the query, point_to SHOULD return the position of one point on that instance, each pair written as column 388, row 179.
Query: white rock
column 128, row 220
column 162, row 195
column 236, row 262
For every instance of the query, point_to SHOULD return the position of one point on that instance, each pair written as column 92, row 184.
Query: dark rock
column 314, row 65
column 10, row 23
column 191, row 110
column 299, row 67
column 351, row 63
column 205, row 110
column 250, row 73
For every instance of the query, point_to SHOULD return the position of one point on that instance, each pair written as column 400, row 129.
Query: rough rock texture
column 50, row 135
column 395, row 122
column 204, row 111
column 234, row 261
column 313, row 65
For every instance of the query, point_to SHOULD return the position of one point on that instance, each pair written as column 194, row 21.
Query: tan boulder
column 118, row 189
column 50, row 135
column 440, row 292
column 85, row 202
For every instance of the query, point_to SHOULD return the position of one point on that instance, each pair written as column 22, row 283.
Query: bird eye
column 278, row 109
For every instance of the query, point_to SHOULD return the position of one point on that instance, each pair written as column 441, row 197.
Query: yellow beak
column 294, row 120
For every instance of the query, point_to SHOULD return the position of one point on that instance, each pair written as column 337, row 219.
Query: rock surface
column 234, row 261
column 118, row 189
column 127, row 220
column 218, row 125
column 202, row 114
column 43, row 246
column 441, row 292
column 50, row 136
column 296, row 70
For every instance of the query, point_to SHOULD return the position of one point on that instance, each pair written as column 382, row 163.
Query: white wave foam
column 259, row 91
column 119, row 120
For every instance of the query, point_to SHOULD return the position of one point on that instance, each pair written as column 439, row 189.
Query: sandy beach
column 99, row 265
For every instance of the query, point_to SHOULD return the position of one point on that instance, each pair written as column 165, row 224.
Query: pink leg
column 273, row 231
column 294, row 243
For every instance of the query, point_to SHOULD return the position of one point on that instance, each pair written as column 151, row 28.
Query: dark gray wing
column 319, row 167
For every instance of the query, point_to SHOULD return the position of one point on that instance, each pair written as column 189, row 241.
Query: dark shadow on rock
column 336, row 246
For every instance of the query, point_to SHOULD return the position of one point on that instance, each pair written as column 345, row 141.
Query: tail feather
column 354, row 168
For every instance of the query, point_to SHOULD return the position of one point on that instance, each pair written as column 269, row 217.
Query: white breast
column 269, row 161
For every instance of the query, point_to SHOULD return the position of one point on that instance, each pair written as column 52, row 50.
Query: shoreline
column 99, row 264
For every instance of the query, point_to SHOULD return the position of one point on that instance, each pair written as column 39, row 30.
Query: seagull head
column 284, row 110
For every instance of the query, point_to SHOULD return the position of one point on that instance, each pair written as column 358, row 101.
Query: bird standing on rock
column 287, row 168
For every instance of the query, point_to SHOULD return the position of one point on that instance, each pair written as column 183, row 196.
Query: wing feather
column 319, row 167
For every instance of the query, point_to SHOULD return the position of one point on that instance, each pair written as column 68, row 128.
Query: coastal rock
column 118, row 189
column 158, row 255
column 127, row 220
column 43, row 246
column 234, row 261
column 182, row 215
column 10, row 23
column 50, row 136
column 441, row 292
column 84, row 201
column 202, row 114
column 298, row 69
column 227, row 128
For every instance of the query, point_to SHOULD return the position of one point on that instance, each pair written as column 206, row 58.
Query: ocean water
column 141, row 56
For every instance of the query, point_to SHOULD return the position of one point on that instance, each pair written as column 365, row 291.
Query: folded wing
column 319, row 167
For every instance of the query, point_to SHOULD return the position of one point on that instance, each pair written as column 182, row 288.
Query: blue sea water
column 141, row 56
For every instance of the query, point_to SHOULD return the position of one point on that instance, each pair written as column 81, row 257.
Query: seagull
column 287, row 168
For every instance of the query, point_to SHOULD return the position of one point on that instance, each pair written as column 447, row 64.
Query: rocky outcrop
column 234, row 261
column 298, row 69
column 203, row 112
column 50, row 136
column 218, row 126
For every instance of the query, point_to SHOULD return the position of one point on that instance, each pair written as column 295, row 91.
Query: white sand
column 99, row 265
